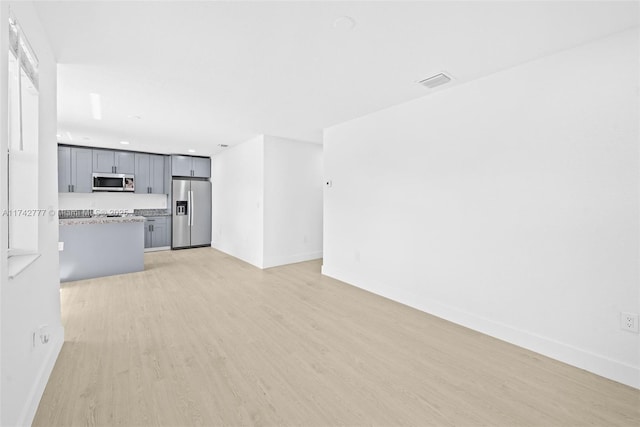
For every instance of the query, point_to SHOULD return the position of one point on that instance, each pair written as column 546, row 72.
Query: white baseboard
column 160, row 248
column 290, row 259
column 594, row 363
column 32, row 402
column 269, row 262
column 248, row 261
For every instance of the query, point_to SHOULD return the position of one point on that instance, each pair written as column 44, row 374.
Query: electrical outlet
column 40, row 336
column 629, row 322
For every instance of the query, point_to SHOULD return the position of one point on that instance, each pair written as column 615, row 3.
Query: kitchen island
column 100, row 246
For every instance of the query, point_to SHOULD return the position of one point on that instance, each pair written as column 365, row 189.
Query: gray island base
column 97, row 247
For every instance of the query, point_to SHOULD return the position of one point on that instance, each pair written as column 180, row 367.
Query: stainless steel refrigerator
column 191, row 203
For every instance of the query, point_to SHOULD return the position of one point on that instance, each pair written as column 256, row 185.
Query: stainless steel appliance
column 113, row 182
column 191, row 201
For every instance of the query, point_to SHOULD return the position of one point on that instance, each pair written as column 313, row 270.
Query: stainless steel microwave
column 113, row 182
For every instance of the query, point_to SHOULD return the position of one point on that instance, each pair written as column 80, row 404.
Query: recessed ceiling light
column 133, row 116
column 96, row 106
column 124, row 142
column 344, row 23
column 191, row 150
column 437, row 80
column 58, row 135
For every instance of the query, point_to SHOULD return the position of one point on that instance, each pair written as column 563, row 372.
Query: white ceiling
column 201, row 74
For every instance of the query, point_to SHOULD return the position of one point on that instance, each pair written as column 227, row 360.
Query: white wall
column 508, row 204
column 80, row 201
column 237, row 179
column 267, row 201
column 292, row 201
column 32, row 299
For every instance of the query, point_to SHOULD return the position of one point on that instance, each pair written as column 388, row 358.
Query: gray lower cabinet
column 189, row 166
column 74, row 170
column 110, row 161
column 149, row 173
column 100, row 249
column 157, row 232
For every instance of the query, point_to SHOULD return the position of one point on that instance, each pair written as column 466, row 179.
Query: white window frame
column 22, row 214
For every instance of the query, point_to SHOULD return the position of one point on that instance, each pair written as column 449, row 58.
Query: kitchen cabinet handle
column 73, row 188
column 69, row 188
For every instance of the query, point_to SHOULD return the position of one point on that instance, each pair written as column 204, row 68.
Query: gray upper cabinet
column 109, row 161
column 198, row 167
column 142, row 173
column 157, row 174
column 74, row 170
column 202, row 167
column 125, row 162
column 181, row 165
column 149, row 173
column 81, row 170
column 103, row 161
column 64, row 169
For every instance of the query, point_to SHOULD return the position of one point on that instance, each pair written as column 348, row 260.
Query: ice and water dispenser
column 181, row 207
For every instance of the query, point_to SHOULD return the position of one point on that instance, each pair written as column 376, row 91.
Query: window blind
column 20, row 47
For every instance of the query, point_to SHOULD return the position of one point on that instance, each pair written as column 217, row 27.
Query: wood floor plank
column 202, row 339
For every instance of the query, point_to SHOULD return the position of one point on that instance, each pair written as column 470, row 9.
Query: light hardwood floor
column 201, row 338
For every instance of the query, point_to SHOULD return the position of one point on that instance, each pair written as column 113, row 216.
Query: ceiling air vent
column 437, row 80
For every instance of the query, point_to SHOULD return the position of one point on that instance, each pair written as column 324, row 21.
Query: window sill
column 19, row 261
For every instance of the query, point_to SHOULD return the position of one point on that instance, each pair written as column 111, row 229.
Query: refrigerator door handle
column 191, row 208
